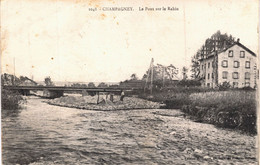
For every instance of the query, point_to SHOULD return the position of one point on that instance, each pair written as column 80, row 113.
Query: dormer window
column 230, row 53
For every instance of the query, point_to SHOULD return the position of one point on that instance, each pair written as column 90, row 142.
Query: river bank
column 232, row 108
column 90, row 103
column 43, row 134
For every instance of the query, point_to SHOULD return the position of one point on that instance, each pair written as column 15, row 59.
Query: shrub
column 189, row 83
column 10, row 100
column 224, row 86
column 177, row 100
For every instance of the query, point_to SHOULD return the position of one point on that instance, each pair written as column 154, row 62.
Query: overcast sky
column 66, row 41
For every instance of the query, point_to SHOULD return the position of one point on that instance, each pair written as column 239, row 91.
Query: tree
column 144, row 76
column 161, row 72
column 79, row 85
column 134, row 77
column 102, row 85
column 48, row 81
column 215, row 43
column 9, row 79
column 195, row 67
column 91, row 85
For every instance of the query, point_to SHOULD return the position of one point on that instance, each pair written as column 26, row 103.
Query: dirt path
column 58, row 135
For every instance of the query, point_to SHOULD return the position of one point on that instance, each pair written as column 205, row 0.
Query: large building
column 235, row 64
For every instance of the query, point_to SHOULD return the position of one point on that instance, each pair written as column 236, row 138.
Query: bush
column 232, row 109
column 177, row 100
column 224, row 86
column 189, row 83
column 10, row 100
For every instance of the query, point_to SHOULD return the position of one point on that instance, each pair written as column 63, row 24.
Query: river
column 45, row 134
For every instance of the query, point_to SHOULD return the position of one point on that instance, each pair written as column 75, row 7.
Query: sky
column 64, row 40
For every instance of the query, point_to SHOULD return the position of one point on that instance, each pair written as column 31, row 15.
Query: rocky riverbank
column 90, row 103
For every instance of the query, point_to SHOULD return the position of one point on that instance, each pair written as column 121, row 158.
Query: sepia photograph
column 129, row 82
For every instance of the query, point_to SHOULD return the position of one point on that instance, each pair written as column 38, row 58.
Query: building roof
column 241, row 45
column 223, row 50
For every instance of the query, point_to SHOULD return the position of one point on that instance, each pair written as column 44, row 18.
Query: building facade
column 236, row 65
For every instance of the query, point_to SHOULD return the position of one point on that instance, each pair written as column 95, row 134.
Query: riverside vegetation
column 10, row 100
column 230, row 108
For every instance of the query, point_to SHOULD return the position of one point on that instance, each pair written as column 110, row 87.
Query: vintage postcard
column 129, row 82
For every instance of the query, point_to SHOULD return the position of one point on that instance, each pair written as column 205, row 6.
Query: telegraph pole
column 147, row 77
column 14, row 72
column 152, row 76
column 163, row 76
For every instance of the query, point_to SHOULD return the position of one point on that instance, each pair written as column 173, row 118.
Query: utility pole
column 163, row 76
column 149, row 71
column 147, row 78
column 152, row 76
column 14, row 72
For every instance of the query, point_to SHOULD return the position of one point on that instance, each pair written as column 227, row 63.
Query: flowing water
column 45, row 134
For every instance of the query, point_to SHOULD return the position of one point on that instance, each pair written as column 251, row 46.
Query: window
column 208, row 65
column 201, row 67
column 224, row 75
column 235, row 84
column 208, row 84
column 225, row 64
column 208, row 75
column 235, row 75
column 247, row 75
column 230, row 53
column 247, row 64
column 242, row 54
column 212, row 75
column 236, row 64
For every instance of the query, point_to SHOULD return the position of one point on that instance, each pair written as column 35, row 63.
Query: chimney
column 238, row 40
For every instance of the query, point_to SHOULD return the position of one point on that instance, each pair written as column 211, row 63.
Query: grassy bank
column 174, row 98
column 233, row 108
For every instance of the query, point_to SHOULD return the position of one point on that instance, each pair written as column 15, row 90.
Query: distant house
column 25, row 81
column 235, row 64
